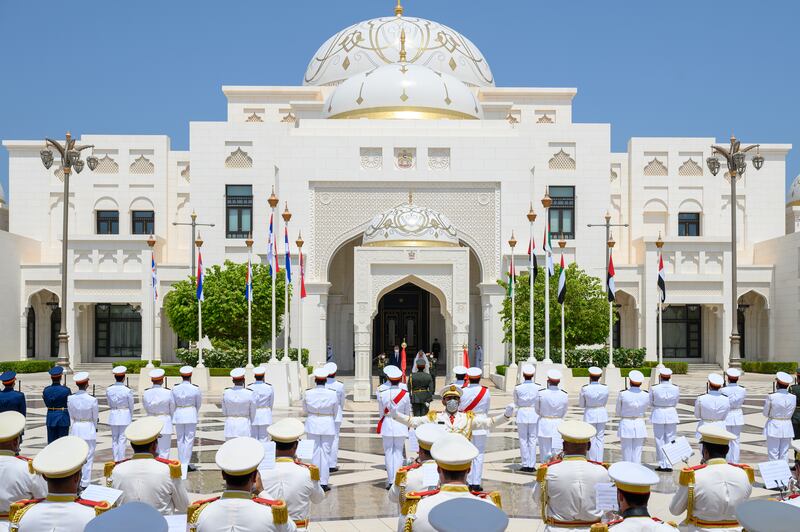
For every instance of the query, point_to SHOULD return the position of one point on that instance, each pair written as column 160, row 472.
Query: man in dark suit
column 55, row 399
column 11, row 399
column 394, row 357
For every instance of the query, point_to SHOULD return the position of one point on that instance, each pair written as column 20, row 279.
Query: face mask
column 451, row 406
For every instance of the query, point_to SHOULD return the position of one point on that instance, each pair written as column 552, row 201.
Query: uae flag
column 662, row 281
column 511, row 277
column 562, row 282
column 533, row 265
column 610, row 286
column 548, row 250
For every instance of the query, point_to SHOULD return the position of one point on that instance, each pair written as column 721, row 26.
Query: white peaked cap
column 393, row 372
column 240, row 456
column 575, row 431
column 61, row 458
column 665, row 371
column 156, row 373
column 119, row 370
column 636, row 376
column 237, row 373
column 80, row 377
column 12, row 423
column 783, row 377
column 595, row 371
column 759, row 515
column 460, row 370
column 715, row 379
column 554, row 375
column 186, row 370
column 259, row 370
column 715, row 434
column 331, row 368
column 144, row 430
column 454, row 452
column 632, row 477
column 428, row 434
column 320, row 373
column 287, row 430
column 528, row 369
column 733, row 372
column 474, row 372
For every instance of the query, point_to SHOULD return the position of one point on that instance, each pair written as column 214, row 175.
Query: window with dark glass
column 107, row 222
column 682, row 331
column 238, row 211
column 689, row 224
column 142, row 222
column 562, row 213
column 30, row 341
column 117, row 331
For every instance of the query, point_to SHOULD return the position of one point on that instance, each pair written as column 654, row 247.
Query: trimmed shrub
column 585, row 358
column 136, row 365
column 678, row 368
column 501, row 370
column 769, row 367
column 233, row 357
column 584, row 372
column 27, row 366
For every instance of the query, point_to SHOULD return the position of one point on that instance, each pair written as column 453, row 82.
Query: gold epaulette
column 400, row 477
column 432, row 416
column 494, row 496
column 174, row 467
column 751, row 474
column 599, row 527
column 100, row 507
column 314, row 472
column 673, row 524
column 19, row 508
column 541, row 473
column 193, row 512
column 108, row 468
column 280, row 514
column 686, row 477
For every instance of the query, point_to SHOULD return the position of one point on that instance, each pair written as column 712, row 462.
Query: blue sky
column 678, row 68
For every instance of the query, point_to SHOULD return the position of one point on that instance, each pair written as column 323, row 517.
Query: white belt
column 780, row 419
column 263, row 408
column 185, row 406
column 319, row 414
column 237, row 417
column 669, row 406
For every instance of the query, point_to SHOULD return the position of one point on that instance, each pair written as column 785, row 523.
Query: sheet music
column 678, row 451
column 430, row 475
column 96, row 492
column 775, row 473
column 269, row 456
column 305, row 450
column 605, row 496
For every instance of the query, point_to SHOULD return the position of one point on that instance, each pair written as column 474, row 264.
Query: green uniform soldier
column 794, row 389
column 422, row 387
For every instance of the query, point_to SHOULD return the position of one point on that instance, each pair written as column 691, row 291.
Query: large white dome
column 372, row 43
column 410, row 225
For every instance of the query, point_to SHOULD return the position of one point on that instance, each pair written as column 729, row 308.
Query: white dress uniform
column 158, row 401
column 264, row 398
column 19, row 482
column 188, row 400
column 711, row 407
column 565, row 492
column 778, row 409
column 479, row 436
column 393, row 433
column 551, row 406
column 664, row 398
column 239, row 410
column 734, row 421
column 411, row 478
column 420, row 506
column 593, row 399
column 525, row 395
column 338, row 387
column 154, row 481
column 631, row 408
column 320, row 406
column 121, row 404
column 83, row 415
column 296, row 484
column 634, row 478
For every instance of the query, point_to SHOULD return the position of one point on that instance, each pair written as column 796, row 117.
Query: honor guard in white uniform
column 19, row 479
column 338, row 387
column 61, row 510
column 84, row 415
column 664, row 398
column 454, row 455
column 292, row 481
column 158, row 401
column 264, row 398
column 593, row 399
column 460, row 373
column 320, row 405
column 525, row 395
column 188, row 400
column 551, row 406
column 633, row 482
column 712, row 406
column 565, row 488
column 120, row 415
column 710, row 492
column 238, row 407
column 145, row 477
column 476, row 399
column 393, row 433
column 133, row 516
column 632, row 407
column 734, row 421
column 419, row 474
column 778, row 409
column 237, row 509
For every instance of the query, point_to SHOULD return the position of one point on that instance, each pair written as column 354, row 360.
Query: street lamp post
column 194, row 225
column 153, row 291
column 562, row 244
column 531, row 218
column 546, row 202
column 513, row 277
column 70, row 154
column 737, row 164
column 286, row 217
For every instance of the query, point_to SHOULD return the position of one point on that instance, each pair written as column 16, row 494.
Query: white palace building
column 406, row 168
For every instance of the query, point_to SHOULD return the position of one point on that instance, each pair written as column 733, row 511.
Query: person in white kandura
column 593, row 399
column 188, row 401
column 525, row 395
column 320, row 405
column 712, row 406
column 631, row 409
column 393, row 434
column 264, row 398
column 338, row 387
column 477, row 398
column 238, row 407
column 551, row 406
column 84, row 415
column 413, row 476
column 734, row 421
column 121, row 404
column 778, row 409
column 158, row 401
column 19, row 479
column 664, row 398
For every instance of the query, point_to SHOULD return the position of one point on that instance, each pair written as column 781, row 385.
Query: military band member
column 477, row 398
column 664, row 398
column 778, row 409
column 710, row 492
column 525, row 395
column 320, row 406
column 84, row 414
column 712, row 407
column 11, row 399
column 19, row 481
column 55, row 399
column 633, row 482
column 412, row 477
column 551, row 406
column 734, row 421
column 238, row 407
column 292, row 481
column 393, row 433
column 158, row 401
column 421, row 386
column 565, row 488
column 338, row 387
column 61, row 510
column 264, row 399
column 593, row 399
column 632, row 406
column 188, row 401
column 146, row 477
column 794, row 389
column 121, row 404
column 454, row 455
column 237, row 509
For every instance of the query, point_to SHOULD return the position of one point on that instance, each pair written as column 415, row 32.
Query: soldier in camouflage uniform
column 421, row 386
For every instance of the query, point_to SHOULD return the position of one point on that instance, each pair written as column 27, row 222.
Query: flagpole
column 610, row 306
column 199, row 244
column 299, row 243
column 659, row 245
column 546, row 202
column 531, row 315
column 562, row 244
column 152, row 242
column 249, row 292
column 286, row 217
column 513, row 242
column 273, row 202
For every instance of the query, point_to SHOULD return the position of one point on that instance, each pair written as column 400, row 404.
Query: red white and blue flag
column 302, row 276
column 248, row 281
column 200, row 276
column 288, row 255
column 610, row 285
column 272, row 251
column 154, row 275
column 662, row 279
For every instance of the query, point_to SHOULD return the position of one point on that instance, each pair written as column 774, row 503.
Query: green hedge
column 586, row 358
column 27, row 366
column 584, row 372
column 769, row 367
column 678, row 368
column 501, row 370
column 233, row 357
column 135, row 366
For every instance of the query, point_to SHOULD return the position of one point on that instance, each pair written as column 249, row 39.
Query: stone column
column 23, row 334
column 315, row 322
column 362, row 343
column 492, row 296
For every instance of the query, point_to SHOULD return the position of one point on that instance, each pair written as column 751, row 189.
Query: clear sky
column 676, row 68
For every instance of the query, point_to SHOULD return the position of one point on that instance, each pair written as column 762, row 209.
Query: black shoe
column 333, row 469
column 191, row 467
column 325, row 488
column 478, row 487
column 388, row 487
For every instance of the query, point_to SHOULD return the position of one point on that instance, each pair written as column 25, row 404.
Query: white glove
column 509, row 410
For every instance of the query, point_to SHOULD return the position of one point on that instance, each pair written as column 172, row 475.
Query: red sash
column 477, row 399
column 396, row 401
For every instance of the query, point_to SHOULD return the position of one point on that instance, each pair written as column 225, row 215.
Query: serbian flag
column 533, row 265
column 548, row 250
column 272, row 251
column 154, row 275
column 662, row 280
column 302, row 276
column 200, row 276
column 466, row 357
column 511, row 277
column 403, row 360
column 288, row 255
column 562, row 282
column 248, row 281
column 610, row 286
